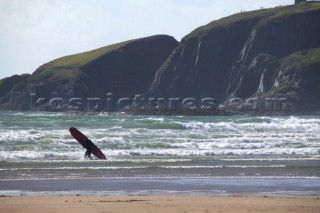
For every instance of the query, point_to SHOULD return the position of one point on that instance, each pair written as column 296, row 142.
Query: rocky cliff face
column 11, row 84
column 244, row 56
column 203, row 57
column 7, row 84
column 124, row 69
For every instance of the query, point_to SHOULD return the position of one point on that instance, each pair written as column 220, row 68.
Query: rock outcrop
column 9, row 90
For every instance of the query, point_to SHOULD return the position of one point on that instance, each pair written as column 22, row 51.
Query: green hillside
column 303, row 58
column 67, row 65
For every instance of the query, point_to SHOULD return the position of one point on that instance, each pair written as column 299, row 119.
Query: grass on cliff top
column 80, row 59
column 66, row 64
column 303, row 58
column 257, row 14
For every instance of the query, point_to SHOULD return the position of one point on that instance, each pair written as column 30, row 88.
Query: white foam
column 157, row 119
column 239, row 135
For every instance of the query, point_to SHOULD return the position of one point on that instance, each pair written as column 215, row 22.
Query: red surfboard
column 79, row 137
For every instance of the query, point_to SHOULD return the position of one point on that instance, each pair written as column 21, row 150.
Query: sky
column 33, row 32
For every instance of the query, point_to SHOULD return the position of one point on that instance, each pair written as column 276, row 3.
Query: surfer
column 88, row 145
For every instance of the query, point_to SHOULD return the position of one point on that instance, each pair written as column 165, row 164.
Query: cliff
column 124, row 69
column 260, row 62
column 248, row 55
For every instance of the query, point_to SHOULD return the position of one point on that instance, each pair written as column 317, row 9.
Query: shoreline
column 164, row 186
column 163, row 203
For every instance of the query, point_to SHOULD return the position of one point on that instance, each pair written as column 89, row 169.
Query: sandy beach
column 165, row 203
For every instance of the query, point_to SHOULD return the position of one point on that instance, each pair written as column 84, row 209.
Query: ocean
column 153, row 153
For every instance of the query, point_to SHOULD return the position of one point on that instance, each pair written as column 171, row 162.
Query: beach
column 167, row 203
column 125, row 111
column 161, row 195
column 159, row 163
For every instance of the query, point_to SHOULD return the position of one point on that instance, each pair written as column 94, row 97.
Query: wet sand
column 163, row 203
column 163, row 186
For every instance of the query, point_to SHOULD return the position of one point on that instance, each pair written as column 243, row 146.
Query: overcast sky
column 33, row 32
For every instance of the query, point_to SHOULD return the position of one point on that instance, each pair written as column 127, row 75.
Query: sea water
column 38, row 146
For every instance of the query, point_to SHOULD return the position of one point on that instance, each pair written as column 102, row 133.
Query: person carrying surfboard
column 88, row 145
